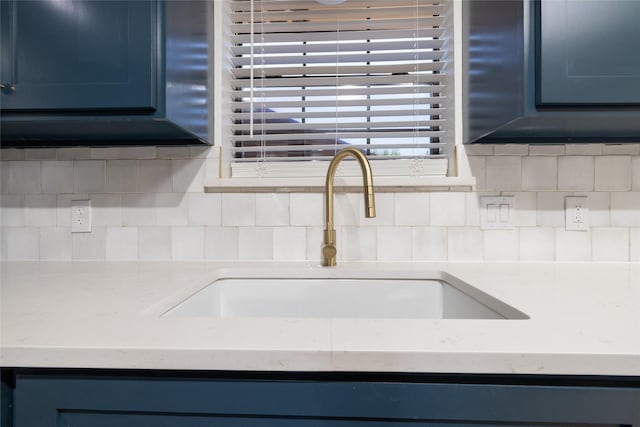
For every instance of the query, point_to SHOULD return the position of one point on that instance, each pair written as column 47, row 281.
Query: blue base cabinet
column 101, row 399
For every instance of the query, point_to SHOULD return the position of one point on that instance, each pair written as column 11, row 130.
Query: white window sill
column 345, row 184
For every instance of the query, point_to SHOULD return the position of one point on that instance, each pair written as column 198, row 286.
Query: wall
column 148, row 203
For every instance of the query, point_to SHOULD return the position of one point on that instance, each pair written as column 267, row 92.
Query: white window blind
column 308, row 79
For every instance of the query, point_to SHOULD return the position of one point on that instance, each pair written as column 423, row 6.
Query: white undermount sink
column 434, row 295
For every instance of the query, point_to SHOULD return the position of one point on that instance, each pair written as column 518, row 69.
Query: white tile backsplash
column 504, row 173
column 576, row 173
column 57, row 177
column 539, row 173
column 613, row 173
column 148, row 203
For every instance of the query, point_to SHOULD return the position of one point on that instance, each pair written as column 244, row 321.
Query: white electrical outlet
column 496, row 213
column 81, row 216
column 576, row 213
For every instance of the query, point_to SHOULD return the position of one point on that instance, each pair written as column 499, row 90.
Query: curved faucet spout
column 329, row 250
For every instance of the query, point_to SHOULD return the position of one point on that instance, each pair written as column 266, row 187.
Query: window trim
column 221, row 181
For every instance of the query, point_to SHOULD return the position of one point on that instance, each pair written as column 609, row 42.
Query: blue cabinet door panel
column 98, row 402
column 79, row 55
column 589, row 52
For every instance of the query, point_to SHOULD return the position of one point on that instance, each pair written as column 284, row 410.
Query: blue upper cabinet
column 103, row 72
column 589, row 52
column 551, row 71
column 88, row 55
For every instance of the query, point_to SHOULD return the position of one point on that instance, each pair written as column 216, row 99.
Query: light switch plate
column 81, row 216
column 496, row 213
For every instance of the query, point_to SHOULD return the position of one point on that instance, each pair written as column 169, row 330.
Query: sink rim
column 301, row 273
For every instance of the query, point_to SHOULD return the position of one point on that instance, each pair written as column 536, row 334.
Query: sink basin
column 436, row 296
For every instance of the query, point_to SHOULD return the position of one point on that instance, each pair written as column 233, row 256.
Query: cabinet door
column 588, row 52
column 78, row 55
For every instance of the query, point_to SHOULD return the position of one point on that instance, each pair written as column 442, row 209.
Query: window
column 305, row 79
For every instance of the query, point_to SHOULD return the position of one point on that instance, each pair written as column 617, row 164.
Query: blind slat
column 371, row 74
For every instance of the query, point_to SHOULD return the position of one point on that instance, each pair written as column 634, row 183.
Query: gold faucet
column 329, row 250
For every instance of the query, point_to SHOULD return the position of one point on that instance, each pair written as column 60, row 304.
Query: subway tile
column 120, row 153
column 625, row 209
column 255, row 243
column 238, row 209
column 122, row 243
column 106, row 210
column 447, row 208
column 411, row 209
column 539, row 173
column 464, row 244
column 12, row 210
column 359, row 244
column 429, row 243
column 501, row 245
column 90, row 246
column 511, row 149
column 550, row 209
column 173, row 152
column 573, row 245
column 4, row 177
column 272, row 209
column 12, row 153
column 73, row 153
column 584, row 149
column 122, row 176
column 221, row 243
column 613, row 173
column 537, row 244
column 504, row 173
column 23, row 243
column 89, row 176
column 347, row 208
column 155, row 176
column 57, row 177
column 154, row 243
column 630, row 149
column 576, row 173
column 610, row 244
column 56, row 243
column 187, row 243
column 524, row 208
column 289, row 243
column 306, row 209
column 472, row 209
column 635, row 186
column 39, row 153
column 188, row 176
column 138, row 209
column 634, row 244
column 394, row 243
column 314, row 243
column 546, row 150
column 479, row 149
column 204, row 208
column 172, row 209
column 40, row 210
column 599, row 212
column 24, row 177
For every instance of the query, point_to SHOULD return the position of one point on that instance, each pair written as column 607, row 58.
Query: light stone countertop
column 584, row 320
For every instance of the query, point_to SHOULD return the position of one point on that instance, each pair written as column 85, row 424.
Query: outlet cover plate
column 81, row 216
column 576, row 213
column 496, row 213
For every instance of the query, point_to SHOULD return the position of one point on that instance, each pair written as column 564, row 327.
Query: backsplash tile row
column 148, row 203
